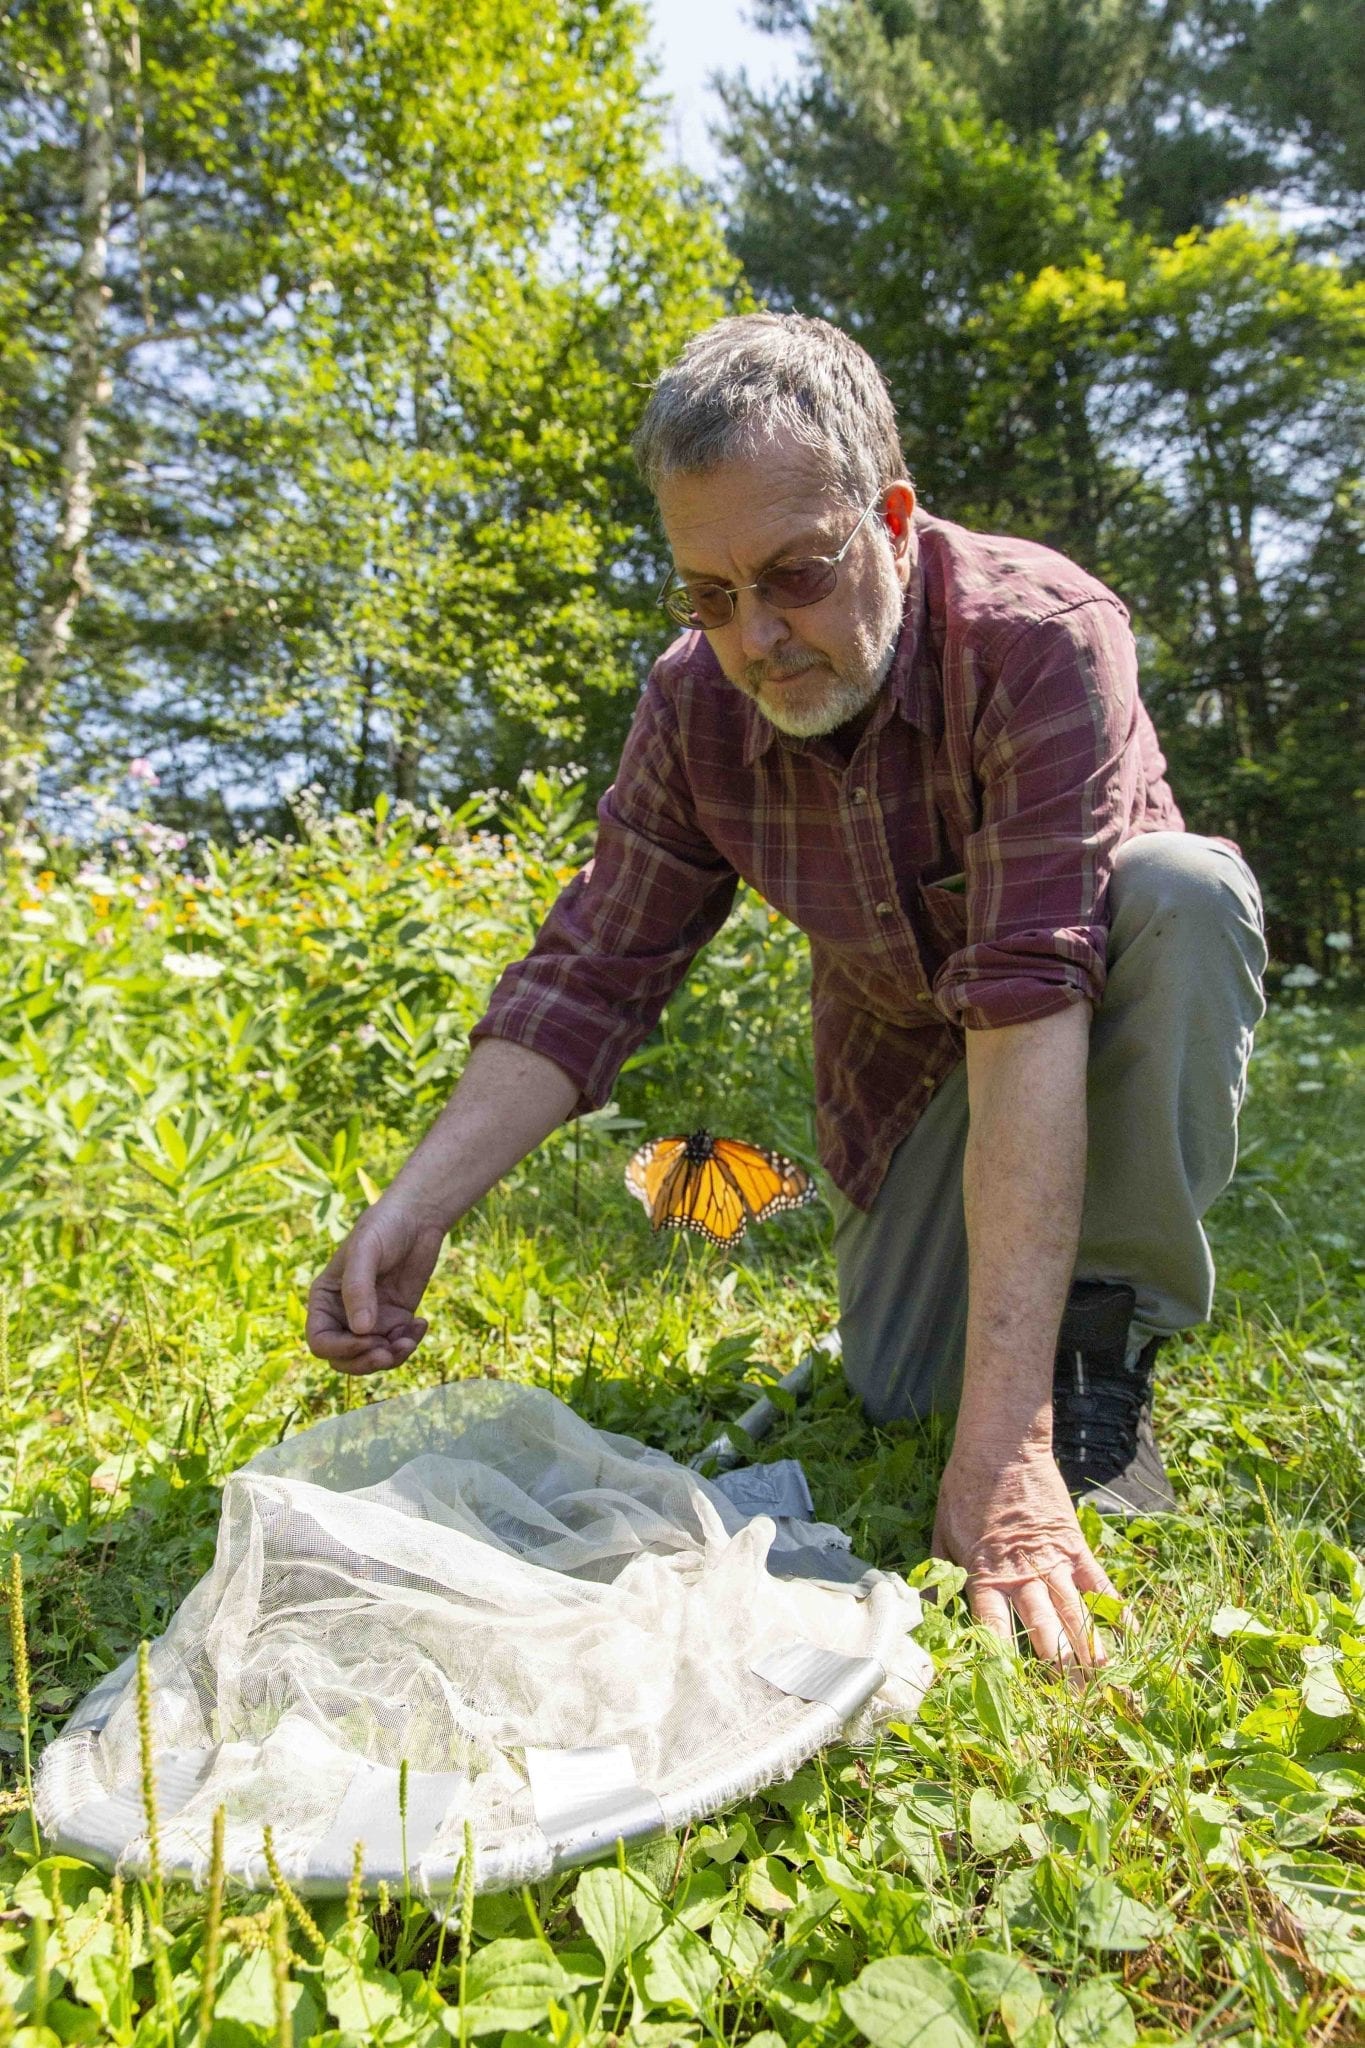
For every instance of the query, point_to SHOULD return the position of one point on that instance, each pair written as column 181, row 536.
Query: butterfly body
column 715, row 1186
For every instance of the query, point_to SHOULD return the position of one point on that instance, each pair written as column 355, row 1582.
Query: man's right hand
column 361, row 1306
column 1006, row 1515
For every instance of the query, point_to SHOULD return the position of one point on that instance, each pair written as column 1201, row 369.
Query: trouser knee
column 1187, row 892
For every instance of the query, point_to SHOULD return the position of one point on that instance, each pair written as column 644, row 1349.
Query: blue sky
column 693, row 39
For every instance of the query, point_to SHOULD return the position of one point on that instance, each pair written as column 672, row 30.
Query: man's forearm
column 1023, row 1183
column 508, row 1100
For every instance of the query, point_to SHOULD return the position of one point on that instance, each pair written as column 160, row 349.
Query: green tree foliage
column 443, row 519
column 880, row 196
column 140, row 260
column 1289, row 72
column 1183, row 415
column 397, row 279
column 1192, row 102
column 1223, row 377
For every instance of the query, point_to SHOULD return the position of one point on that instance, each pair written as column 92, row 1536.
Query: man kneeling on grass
column 1033, row 990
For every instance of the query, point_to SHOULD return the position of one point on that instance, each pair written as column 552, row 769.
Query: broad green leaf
column 992, row 1697
column 770, row 1886
column 509, row 1983
column 107, row 1989
column 811, row 2007
column 1106, row 1917
column 739, row 1941
column 992, row 1822
column 813, row 1910
column 917, row 1843
column 1096, row 2015
column 1321, row 1688
column 1342, row 1773
column 1214, row 1828
column 1027, row 2020
column 1327, row 1900
column 360, row 1996
column 699, row 1900
column 70, row 1880
column 1237, row 1621
column 990, row 1974
column 1282, row 1791
column 246, row 1992
column 1273, row 1719
column 911, row 2002
column 1040, row 1902
column 620, row 1912
column 677, row 1969
column 642, row 2034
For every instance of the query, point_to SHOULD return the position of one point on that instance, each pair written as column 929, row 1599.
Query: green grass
column 1175, row 1854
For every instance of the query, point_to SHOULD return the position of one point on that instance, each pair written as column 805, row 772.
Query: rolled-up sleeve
column 623, row 932
column 1055, row 763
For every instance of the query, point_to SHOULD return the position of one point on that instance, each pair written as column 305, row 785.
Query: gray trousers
column 1169, row 1046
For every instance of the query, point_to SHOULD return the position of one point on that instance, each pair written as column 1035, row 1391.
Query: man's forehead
column 742, row 513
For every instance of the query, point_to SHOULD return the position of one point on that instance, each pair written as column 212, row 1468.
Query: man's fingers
column 993, row 1609
column 366, row 1354
column 1084, row 1645
column 1057, row 1623
column 1032, row 1602
column 1091, row 1577
column 373, row 1361
column 337, row 1345
column 357, row 1283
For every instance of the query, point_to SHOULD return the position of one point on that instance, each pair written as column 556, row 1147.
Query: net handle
column 760, row 1419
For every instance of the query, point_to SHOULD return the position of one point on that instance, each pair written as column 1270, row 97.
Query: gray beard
column 846, row 697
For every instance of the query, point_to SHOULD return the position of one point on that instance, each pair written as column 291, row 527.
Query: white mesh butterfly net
column 566, row 1637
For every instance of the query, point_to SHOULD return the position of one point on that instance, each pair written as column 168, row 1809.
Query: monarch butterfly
column 715, row 1186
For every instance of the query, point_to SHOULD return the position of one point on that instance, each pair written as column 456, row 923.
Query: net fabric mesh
column 443, row 1580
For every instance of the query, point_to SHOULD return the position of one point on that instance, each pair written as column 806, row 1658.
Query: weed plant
column 207, row 1065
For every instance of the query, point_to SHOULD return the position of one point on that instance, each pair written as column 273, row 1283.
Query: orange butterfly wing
column 716, row 1187
column 650, row 1170
column 766, row 1181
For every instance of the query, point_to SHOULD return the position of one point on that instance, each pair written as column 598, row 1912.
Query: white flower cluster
column 191, row 966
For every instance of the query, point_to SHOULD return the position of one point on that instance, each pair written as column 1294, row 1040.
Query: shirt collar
column 907, row 692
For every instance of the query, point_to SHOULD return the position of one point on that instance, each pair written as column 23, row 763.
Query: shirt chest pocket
column 944, row 907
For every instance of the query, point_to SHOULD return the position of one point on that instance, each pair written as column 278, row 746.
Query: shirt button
column 860, row 796
column 885, row 909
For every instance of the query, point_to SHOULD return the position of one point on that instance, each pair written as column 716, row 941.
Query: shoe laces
column 1097, row 1405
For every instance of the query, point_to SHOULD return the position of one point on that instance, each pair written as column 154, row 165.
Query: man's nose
column 761, row 629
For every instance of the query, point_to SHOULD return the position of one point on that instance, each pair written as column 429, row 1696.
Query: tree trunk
column 67, row 578
column 407, row 759
column 361, row 792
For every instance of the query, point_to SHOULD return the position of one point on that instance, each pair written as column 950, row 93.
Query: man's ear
column 898, row 509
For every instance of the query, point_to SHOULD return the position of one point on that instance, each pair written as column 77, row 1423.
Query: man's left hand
column 1009, row 1520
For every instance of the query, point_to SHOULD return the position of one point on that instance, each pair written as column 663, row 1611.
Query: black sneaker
column 1102, row 1406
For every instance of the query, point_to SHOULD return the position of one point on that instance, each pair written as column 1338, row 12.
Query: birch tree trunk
column 67, row 579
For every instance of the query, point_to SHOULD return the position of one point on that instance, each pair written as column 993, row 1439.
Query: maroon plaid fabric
column 951, row 874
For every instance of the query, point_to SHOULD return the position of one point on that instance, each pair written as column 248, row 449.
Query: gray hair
column 744, row 380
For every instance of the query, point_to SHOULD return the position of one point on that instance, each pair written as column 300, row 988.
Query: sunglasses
column 784, row 589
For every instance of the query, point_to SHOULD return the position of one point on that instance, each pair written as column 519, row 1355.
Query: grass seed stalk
column 18, row 1638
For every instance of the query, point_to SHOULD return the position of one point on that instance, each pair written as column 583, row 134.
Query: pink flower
column 141, row 770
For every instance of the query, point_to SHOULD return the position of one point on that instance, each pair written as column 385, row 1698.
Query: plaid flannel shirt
column 951, row 873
